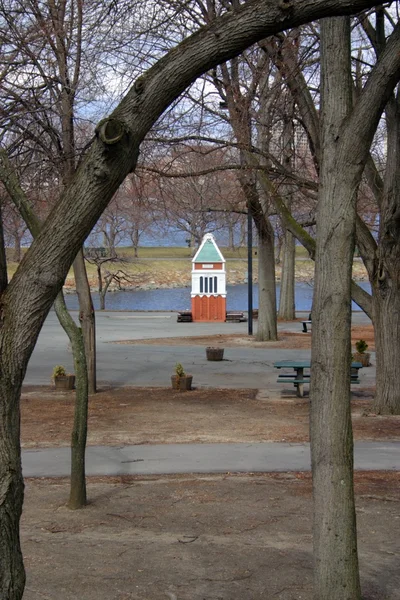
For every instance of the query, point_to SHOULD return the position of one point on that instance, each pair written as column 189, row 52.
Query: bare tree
column 14, row 228
column 381, row 208
column 43, row 82
column 138, row 202
column 24, row 207
column 105, row 277
column 332, row 461
column 112, row 225
column 192, row 189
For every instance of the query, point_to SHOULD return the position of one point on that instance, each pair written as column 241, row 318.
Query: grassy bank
column 171, row 267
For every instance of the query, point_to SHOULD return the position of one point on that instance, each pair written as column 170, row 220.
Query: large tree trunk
column 12, row 573
column 86, row 318
column 336, row 574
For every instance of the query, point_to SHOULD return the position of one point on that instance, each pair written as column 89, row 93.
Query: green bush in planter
column 361, row 346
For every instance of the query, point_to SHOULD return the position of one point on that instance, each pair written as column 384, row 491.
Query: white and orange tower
column 208, row 282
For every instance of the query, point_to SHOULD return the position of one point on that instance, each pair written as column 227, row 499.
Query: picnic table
column 299, row 377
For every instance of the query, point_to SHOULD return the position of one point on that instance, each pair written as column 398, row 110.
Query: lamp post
column 250, row 271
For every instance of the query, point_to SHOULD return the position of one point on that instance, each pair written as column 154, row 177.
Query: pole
column 250, row 271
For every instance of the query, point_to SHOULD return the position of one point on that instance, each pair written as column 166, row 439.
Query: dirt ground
column 222, row 537
column 161, row 415
column 195, row 537
column 155, row 415
column 287, row 339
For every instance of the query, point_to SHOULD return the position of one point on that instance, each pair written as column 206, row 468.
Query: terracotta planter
column 65, row 382
column 363, row 358
column 214, row 353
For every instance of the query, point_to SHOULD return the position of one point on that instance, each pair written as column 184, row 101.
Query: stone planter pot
column 362, row 358
column 214, row 353
column 181, row 383
column 65, row 382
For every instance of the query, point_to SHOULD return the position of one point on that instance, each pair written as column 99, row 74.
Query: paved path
column 200, row 458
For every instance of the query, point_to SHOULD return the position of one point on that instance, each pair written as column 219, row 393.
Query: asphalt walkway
column 200, row 458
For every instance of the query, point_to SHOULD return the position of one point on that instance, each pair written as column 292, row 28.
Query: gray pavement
column 200, row 458
column 152, row 365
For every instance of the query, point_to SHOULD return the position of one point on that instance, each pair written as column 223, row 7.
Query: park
column 275, row 122
column 159, row 492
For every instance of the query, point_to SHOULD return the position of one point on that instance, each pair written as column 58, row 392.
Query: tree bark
column 287, row 307
column 387, row 328
column 135, row 242
column 87, row 318
column 12, row 572
column 267, row 325
column 77, row 497
column 3, row 258
column 102, row 298
column 104, row 291
column 231, row 234
column 336, row 574
column 17, row 249
column 385, row 279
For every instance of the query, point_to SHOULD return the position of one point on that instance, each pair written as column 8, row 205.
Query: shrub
column 179, row 370
column 361, row 346
column 59, row 371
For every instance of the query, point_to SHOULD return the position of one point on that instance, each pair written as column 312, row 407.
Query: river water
column 177, row 299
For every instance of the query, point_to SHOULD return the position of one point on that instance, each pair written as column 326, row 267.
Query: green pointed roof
column 208, row 252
